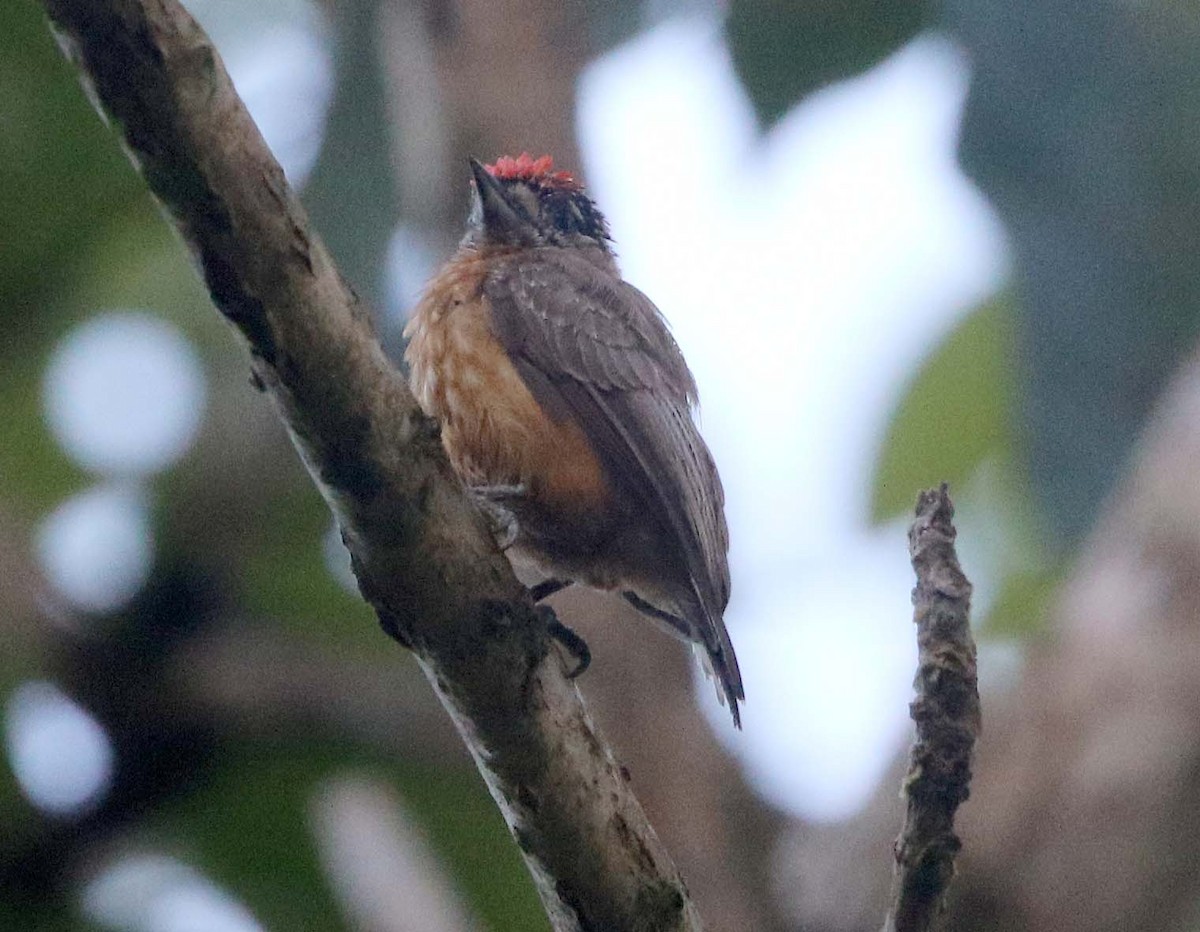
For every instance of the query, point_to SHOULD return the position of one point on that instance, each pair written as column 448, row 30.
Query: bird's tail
column 715, row 650
column 725, row 678
column 705, row 631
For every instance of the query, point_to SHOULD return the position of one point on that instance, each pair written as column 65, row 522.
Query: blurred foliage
column 783, row 50
column 35, row 471
column 1019, row 608
column 60, row 176
column 1083, row 127
column 255, row 811
column 251, row 812
column 59, row 170
column 81, row 234
column 352, row 191
column 47, row 915
column 275, row 570
column 611, row 22
column 956, row 413
column 956, row 423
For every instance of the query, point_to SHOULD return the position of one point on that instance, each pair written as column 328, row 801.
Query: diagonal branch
column 946, row 711
column 422, row 553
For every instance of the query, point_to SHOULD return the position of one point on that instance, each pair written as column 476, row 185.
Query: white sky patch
column 411, row 263
column 804, row 274
column 155, row 893
column 60, row 755
column 96, row 548
column 828, row 658
column 277, row 53
column 124, row 393
column 379, row 864
column 337, row 559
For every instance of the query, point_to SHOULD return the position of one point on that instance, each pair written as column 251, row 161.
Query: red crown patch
column 526, row 168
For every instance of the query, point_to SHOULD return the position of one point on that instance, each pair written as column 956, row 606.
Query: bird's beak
column 497, row 213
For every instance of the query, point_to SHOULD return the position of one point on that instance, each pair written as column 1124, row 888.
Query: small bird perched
column 565, row 401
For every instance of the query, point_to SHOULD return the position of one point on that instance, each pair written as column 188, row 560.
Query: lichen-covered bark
column 422, row 553
column 946, row 712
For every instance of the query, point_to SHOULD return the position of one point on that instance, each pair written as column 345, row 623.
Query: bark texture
column 422, row 553
column 946, row 712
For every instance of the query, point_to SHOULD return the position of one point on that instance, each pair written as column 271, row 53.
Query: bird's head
column 525, row 202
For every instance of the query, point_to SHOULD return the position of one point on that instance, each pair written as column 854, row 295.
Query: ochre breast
column 493, row 429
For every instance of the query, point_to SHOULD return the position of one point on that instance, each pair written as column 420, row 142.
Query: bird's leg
column 506, row 495
column 495, row 501
column 674, row 622
column 574, row 644
column 547, row 588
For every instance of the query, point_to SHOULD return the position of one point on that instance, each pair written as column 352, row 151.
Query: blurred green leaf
column 42, row 916
column 34, row 470
column 784, row 50
column 59, row 166
column 1083, row 127
column 286, row 577
column 137, row 261
column 465, row 827
column 247, row 828
column 1019, row 609
column 955, row 413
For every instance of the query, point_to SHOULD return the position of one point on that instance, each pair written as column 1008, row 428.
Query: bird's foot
column 677, row 625
column 547, row 588
column 571, row 642
column 495, row 501
column 500, row 494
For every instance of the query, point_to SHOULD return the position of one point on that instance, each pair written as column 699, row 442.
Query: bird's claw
column 571, row 642
column 493, row 501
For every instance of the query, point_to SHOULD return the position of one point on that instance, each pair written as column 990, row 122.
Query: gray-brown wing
column 575, row 320
column 592, row 347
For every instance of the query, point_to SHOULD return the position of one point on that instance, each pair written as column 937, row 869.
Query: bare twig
column 946, row 711
column 422, row 553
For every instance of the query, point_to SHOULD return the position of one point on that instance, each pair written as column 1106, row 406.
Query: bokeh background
column 899, row 242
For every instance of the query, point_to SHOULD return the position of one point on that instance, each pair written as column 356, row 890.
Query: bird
column 566, row 404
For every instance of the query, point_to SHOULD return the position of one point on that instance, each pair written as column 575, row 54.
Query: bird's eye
column 563, row 213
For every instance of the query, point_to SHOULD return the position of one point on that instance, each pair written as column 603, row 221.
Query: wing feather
column 588, row 343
